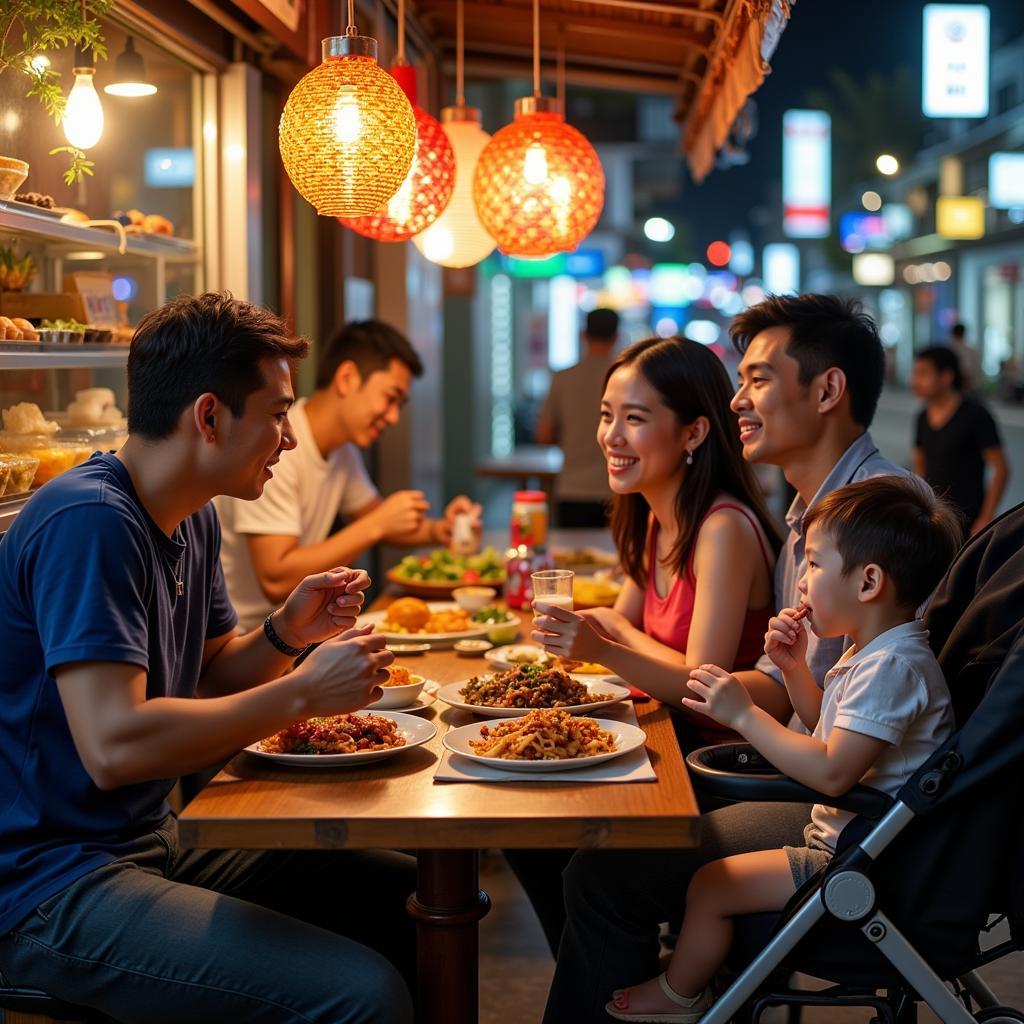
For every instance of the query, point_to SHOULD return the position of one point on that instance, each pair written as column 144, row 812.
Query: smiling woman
column 692, row 531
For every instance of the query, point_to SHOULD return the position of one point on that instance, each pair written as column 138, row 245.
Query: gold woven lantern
column 347, row 134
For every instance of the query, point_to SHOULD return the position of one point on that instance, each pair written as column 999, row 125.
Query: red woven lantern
column 538, row 186
column 424, row 194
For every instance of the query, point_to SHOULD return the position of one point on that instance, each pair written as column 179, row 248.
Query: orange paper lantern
column 538, row 185
column 427, row 188
column 347, row 134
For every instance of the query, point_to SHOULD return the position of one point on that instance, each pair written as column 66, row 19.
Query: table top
column 396, row 803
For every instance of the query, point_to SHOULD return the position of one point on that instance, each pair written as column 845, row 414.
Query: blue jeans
column 237, row 935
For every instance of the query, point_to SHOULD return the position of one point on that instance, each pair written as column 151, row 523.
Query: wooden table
column 528, row 462
column 396, row 804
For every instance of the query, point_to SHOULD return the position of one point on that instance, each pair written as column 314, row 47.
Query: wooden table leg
column 447, row 906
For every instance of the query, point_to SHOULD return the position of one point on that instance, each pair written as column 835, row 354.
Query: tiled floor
column 515, row 967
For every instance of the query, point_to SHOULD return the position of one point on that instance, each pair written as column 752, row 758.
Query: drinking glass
column 553, row 587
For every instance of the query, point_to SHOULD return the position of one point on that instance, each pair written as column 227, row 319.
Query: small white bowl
column 472, row 599
column 472, row 648
column 399, row 696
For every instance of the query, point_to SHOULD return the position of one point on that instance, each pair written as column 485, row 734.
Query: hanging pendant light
column 347, row 134
column 130, row 74
column 457, row 238
column 538, row 186
column 83, row 114
column 428, row 186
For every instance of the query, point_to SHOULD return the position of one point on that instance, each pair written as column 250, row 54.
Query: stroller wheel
column 999, row 1015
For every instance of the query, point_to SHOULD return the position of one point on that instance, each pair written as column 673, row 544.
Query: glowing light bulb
column 83, row 115
column 535, row 164
column 437, row 243
column 347, row 124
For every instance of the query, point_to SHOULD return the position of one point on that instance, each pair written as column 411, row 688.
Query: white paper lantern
column 457, row 238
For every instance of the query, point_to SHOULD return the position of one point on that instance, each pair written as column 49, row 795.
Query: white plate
column 627, row 738
column 451, row 694
column 414, row 730
column 434, row 639
column 499, row 656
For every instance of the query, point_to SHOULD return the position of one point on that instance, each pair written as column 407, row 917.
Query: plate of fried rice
column 333, row 740
column 525, row 688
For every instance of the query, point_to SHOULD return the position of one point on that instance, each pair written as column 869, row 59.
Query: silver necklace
column 179, row 575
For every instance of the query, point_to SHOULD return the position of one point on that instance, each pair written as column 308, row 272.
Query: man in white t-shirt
column 268, row 545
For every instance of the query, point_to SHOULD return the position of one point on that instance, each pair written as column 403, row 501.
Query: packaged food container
column 529, row 524
column 53, row 460
column 23, row 444
column 78, row 451
column 12, row 173
column 17, row 471
column 93, row 439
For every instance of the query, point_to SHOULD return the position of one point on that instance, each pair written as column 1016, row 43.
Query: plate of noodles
column 548, row 739
column 333, row 740
column 438, row 623
column 518, row 691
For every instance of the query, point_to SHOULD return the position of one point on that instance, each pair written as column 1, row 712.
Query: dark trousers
column 615, row 901
column 581, row 515
column 238, row 935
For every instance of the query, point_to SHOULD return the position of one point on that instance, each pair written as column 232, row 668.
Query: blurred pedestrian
column 1011, row 389
column 956, row 438
column 968, row 357
column 569, row 419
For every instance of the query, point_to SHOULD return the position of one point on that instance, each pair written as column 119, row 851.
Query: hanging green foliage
column 29, row 29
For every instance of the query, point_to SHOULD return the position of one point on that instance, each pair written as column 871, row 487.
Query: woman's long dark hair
column 692, row 382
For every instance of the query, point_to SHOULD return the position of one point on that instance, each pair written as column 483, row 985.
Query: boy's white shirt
column 893, row 690
column 305, row 496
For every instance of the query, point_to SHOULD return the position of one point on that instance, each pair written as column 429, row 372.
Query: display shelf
column 14, row 357
column 69, row 237
column 9, row 509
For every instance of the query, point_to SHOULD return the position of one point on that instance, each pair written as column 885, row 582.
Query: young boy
column 875, row 550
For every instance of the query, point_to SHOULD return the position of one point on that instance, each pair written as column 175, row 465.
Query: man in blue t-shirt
column 114, row 619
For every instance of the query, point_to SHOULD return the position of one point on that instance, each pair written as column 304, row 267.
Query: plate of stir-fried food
column 350, row 739
column 522, row 689
column 545, row 739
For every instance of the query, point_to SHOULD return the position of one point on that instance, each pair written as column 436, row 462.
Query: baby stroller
column 915, row 880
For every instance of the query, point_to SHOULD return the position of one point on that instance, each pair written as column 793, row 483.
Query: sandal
column 692, row 1009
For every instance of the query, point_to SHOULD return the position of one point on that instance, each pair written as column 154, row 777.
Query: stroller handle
column 737, row 772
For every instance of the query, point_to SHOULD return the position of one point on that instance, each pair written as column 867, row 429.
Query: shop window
column 146, row 158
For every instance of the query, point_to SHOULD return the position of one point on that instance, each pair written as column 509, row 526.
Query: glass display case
column 107, row 249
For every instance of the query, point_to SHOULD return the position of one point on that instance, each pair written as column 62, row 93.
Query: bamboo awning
column 710, row 54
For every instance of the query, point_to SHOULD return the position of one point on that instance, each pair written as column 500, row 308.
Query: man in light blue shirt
column 809, row 383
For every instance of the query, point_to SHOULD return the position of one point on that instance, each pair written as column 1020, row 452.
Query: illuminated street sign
column 955, row 77
column 806, row 173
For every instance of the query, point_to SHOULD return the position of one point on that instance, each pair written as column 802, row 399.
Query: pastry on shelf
column 94, row 407
column 44, row 202
column 27, row 418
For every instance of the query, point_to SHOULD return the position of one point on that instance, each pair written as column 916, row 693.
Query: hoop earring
column 689, row 457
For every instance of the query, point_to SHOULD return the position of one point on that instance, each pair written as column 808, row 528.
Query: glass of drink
column 553, row 587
